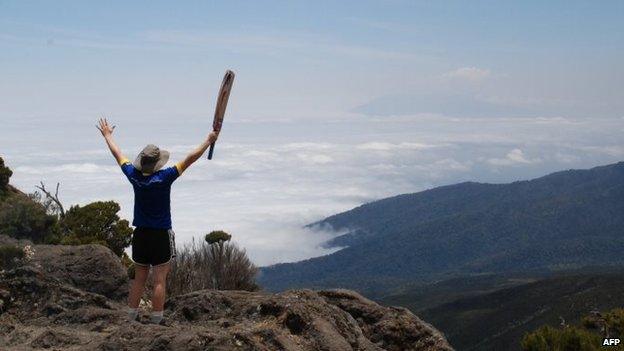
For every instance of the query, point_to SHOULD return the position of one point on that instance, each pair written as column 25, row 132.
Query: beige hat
column 151, row 159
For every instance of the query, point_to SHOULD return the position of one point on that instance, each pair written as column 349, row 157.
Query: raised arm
column 107, row 133
column 197, row 153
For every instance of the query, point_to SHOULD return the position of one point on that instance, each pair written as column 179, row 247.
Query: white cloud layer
column 264, row 186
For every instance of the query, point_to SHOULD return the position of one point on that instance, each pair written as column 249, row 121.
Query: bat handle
column 211, row 151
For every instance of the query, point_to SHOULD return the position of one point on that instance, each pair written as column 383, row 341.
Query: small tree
column 217, row 240
column 97, row 223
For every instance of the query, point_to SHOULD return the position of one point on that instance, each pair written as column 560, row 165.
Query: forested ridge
column 564, row 220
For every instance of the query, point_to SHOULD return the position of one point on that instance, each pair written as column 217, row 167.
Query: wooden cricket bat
column 222, row 100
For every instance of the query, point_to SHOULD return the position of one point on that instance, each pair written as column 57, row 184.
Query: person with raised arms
column 153, row 240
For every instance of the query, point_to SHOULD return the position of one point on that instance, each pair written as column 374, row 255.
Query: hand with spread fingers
column 104, row 127
column 107, row 133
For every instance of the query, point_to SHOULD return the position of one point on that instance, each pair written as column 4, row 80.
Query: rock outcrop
column 92, row 268
column 70, row 298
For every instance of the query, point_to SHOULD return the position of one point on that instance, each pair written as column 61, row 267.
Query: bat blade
column 222, row 100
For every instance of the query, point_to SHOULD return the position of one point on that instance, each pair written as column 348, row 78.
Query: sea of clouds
column 269, row 178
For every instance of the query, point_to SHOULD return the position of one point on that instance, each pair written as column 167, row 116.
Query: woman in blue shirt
column 153, row 242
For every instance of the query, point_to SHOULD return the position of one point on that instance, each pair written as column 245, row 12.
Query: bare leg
column 160, row 281
column 138, row 285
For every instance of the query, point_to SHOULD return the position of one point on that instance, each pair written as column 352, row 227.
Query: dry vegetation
column 221, row 265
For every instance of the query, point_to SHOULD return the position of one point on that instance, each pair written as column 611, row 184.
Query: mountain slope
column 422, row 297
column 563, row 220
column 498, row 320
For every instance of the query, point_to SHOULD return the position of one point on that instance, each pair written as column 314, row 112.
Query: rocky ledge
column 71, row 298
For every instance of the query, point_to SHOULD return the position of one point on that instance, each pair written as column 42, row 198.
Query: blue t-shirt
column 152, row 196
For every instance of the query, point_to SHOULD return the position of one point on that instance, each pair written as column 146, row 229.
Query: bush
column 97, row 223
column 41, row 218
column 21, row 215
column 221, row 265
column 615, row 322
column 548, row 338
column 5, row 175
column 11, row 256
column 587, row 337
column 23, row 218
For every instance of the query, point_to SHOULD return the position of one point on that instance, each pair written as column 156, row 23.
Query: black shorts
column 153, row 246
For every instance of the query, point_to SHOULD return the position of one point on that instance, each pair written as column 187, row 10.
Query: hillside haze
column 564, row 220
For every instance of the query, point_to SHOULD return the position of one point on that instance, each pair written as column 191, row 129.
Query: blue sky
column 334, row 104
column 561, row 56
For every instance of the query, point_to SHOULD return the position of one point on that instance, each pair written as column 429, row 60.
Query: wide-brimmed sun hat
column 151, row 159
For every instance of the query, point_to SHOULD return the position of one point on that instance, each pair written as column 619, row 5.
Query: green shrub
column 97, row 223
column 587, row 337
column 10, row 256
column 21, row 215
column 23, row 218
column 5, row 175
column 40, row 217
column 217, row 236
column 615, row 322
column 548, row 338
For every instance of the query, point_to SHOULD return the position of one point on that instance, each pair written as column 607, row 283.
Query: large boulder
column 391, row 327
column 49, row 302
column 339, row 320
column 93, row 268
